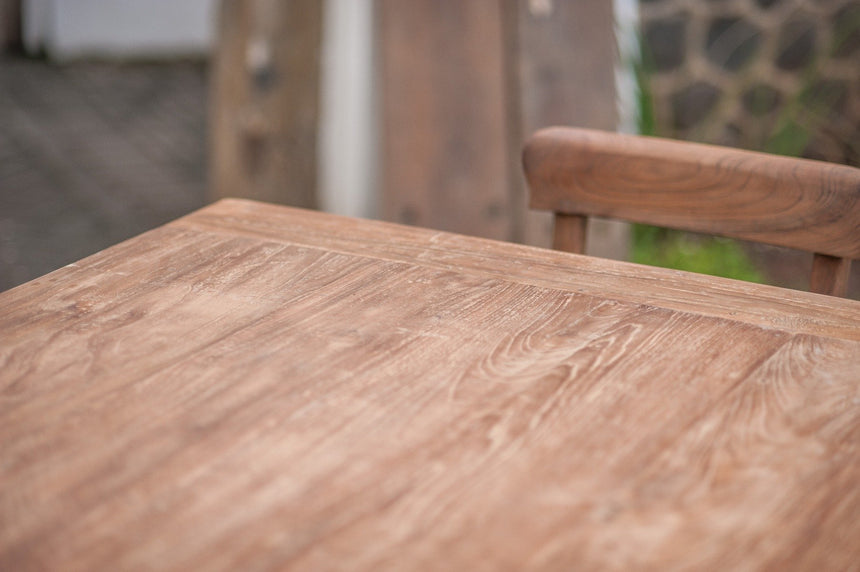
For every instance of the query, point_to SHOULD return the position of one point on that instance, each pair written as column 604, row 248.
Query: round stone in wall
column 767, row 3
column 796, row 44
column 761, row 99
column 732, row 42
column 846, row 31
column 693, row 103
column 665, row 42
column 827, row 97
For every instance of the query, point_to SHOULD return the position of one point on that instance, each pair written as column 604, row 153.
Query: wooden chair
column 797, row 203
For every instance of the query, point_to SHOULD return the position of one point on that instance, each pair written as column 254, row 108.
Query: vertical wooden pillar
column 564, row 67
column 464, row 83
column 444, row 155
column 264, row 111
column 10, row 24
column 830, row 275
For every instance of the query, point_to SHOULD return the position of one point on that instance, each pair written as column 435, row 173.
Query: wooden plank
column 566, row 57
column 228, row 399
column 265, row 101
column 567, row 64
column 757, row 304
column 797, row 203
column 444, row 159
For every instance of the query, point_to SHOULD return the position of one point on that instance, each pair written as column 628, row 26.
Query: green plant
column 789, row 124
column 806, row 115
column 666, row 248
column 683, row 251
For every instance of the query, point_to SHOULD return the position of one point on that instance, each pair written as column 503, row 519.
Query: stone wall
column 775, row 75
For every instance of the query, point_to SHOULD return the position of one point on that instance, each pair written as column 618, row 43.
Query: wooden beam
column 444, row 159
column 265, row 101
column 565, row 63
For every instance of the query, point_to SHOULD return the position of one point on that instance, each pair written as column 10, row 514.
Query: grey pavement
column 92, row 154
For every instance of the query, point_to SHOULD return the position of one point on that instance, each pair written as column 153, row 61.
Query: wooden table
column 258, row 387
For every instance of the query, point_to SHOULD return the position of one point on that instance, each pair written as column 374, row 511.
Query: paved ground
column 92, row 154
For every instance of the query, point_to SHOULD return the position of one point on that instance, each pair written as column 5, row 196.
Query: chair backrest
column 798, row 203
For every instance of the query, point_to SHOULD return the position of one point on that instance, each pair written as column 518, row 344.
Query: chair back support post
column 569, row 233
column 830, row 275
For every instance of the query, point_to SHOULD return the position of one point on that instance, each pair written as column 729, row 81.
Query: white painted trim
column 347, row 140
column 626, row 89
column 68, row 29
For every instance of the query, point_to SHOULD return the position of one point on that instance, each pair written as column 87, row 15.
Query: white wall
column 347, row 142
column 626, row 25
column 68, row 29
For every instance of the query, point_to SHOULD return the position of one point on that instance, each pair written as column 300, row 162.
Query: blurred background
column 117, row 116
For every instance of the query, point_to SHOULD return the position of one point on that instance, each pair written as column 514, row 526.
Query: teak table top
column 257, row 387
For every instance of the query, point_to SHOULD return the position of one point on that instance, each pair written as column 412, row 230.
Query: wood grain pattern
column 756, row 304
column 803, row 204
column 264, row 387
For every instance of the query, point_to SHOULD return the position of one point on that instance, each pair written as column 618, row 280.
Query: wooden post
column 569, row 233
column 564, row 67
column 444, row 157
column 10, row 24
column 265, row 101
column 830, row 275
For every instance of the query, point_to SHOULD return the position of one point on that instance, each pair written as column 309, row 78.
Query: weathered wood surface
column 756, row 304
column 444, row 161
column 259, row 386
column 798, row 203
column 264, row 111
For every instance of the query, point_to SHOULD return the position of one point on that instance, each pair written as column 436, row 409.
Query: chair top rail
column 797, row 203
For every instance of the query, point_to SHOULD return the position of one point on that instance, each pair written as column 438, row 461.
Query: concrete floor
column 92, row 154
